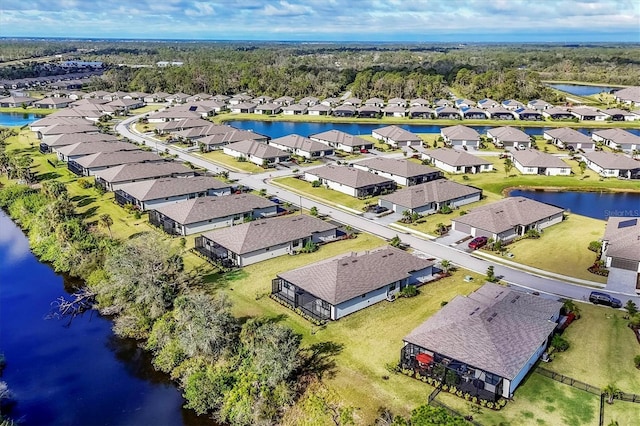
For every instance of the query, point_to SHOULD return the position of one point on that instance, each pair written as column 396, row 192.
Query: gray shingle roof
column 509, row 134
column 460, row 132
column 455, row 157
column 629, row 94
column 349, row 176
column 610, row 160
column 299, row 142
column 260, row 234
column 495, row 329
column 102, row 159
column 139, row 171
column 232, row 136
column 86, row 148
column 440, row 190
column 337, row 136
column 59, row 129
column 397, row 134
column 171, row 186
column 506, row 214
column 206, row 208
column 73, row 138
column 344, row 277
column 569, row 135
column 619, row 136
column 256, row 149
column 624, row 241
column 535, row 158
column 398, row 167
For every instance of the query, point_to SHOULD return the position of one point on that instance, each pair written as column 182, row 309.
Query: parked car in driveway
column 477, row 242
column 599, row 298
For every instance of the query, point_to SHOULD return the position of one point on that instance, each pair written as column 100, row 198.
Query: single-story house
column 539, row 104
column 568, row 138
column 330, row 102
column 455, row 161
column 487, row 103
column 419, row 102
column 264, row 100
column 512, row 104
column 528, row 114
column 218, row 140
column 294, row 109
column 206, row 213
column 50, row 143
column 557, row 113
column 396, row 136
column 88, row 165
column 463, row 103
column 243, row 108
column 154, row 193
column 268, row 108
column 52, row 103
column 588, row 114
column 256, row 152
column 500, row 113
column 534, row 162
column 447, row 113
column 123, row 106
column 299, row 145
column 344, row 111
column 443, row 103
column 620, row 243
column 628, row 95
column 473, row 113
column 173, row 114
column 284, row 101
column 350, row 181
column 375, row 102
column 259, row 240
column 334, row 288
column 609, row 164
column 507, row 219
column 458, row 136
column 50, row 121
column 369, row 111
column 319, row 109
column 114, row 178
column 356, row 102
column 157, row 97
column 16, row 101
column 80, row 149
column 403, row 172
column 239, row 99
column 177, row 98
column 617, row 139
column 394, row 111
column 65, row 129
column 309, row 101
column 221, row 98
column 430, row 197
column 617, row 114
column 509, row 137
column 342, row 141
column 484, row 343
column 397, row 102
column 420, row 111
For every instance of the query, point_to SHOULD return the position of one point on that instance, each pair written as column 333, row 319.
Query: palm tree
column 508, row 165
column 446, row 265
column 106, row 221
column 611, row 391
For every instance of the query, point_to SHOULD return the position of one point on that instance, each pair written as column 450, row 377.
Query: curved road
column 518, row 277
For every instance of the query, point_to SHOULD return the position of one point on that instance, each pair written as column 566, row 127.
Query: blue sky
column 327, row 20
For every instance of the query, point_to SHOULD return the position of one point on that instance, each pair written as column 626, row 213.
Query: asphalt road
column 514, row 276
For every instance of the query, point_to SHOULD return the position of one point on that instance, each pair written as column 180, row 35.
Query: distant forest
column 510, row 71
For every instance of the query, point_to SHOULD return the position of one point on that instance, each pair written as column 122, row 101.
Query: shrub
column 445, row 209
column 316, row 184
column 137, row 214
column 84, row 183
column 636, row 361
column 559, row 343
column 409, row 291
column 595, row 246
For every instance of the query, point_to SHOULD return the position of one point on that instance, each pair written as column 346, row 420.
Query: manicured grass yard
column 562, row 248
column 230, row 162
column 323, row 194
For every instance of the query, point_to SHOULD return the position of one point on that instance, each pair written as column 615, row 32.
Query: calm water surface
column 74, row 373
column 598, row 205
column 580, row 90
column 8, row 119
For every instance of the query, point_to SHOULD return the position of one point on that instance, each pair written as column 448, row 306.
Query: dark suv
column 599, row 298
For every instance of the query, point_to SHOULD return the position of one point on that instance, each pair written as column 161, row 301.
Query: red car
column 477, row 242
column 364, row 151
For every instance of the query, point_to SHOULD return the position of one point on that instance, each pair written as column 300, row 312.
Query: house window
column 491, row 379
column 392, row 287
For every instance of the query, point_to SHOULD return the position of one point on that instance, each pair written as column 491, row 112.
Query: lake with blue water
column 277, row 129
column 580, row 90
column 9, row 119
column 72, row 373
column 598, row 205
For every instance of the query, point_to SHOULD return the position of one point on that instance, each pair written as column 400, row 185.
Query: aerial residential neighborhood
column 401, row 229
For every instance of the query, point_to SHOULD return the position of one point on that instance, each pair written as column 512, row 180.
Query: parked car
column 599, row 298
column 521, row 147
column 477, row 242
column 379, row 209
column 364, row 151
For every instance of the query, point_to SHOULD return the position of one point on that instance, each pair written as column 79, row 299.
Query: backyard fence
column 453, row 412
column 569, row 381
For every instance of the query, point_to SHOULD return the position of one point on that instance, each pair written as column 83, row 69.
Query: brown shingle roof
column 73, row 138
column 260, row 234
column 140, row 171
column 495, row 329
column 257, row 149
column 535, row 158
column 87, row 148
column 171, row 186
column 455, row 157
column 509, row 134
column 568, row 135
column 397, row 134
column 619, row 136
column 398, row 167
column 117, row 158
column 347, row 276
column 299, row 142
column 611, row 160
column 439, row 191
column 349, row 176
column 460, row 132
column 337, row 136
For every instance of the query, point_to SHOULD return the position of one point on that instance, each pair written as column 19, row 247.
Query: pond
column 277, row 129
column 598, row 205
column 72, row 373
column 9, row 119
column 581, row 90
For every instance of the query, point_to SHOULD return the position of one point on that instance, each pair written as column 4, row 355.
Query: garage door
column 461, row 227
column 631, row 265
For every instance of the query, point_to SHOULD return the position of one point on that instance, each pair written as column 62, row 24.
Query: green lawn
column 29, row 110
column 602, row 350
column 325, row 195
column 563, row 248
column 231, row 163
